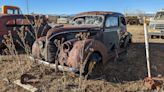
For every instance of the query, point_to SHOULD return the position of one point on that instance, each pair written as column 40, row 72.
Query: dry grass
column 123, row 76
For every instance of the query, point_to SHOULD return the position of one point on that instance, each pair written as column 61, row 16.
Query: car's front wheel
column 94, row 66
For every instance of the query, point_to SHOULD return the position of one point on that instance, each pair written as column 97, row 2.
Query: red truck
column 27, row 24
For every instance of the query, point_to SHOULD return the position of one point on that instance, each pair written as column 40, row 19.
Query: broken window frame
column 83, row 17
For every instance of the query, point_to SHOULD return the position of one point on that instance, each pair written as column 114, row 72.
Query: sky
column 76, row 6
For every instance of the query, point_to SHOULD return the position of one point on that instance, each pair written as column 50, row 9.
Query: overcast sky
column 75, row 6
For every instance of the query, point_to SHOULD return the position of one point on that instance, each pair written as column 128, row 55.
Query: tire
column 162, row 37
column 152, row 37
column 94, row 66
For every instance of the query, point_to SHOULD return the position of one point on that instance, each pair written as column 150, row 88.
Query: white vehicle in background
column 62, row 21
column 156, row 25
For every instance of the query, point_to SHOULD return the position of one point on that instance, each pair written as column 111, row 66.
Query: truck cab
column 156, row 25
column 9, row 10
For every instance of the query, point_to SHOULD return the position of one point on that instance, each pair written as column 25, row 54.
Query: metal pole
column 147, row 47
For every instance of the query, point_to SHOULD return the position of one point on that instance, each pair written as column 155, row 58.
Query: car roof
column 98, row 13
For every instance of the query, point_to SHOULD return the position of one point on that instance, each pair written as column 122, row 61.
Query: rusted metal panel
column 24, row 23
column 104, row 13
column 95, row 13
column 7, row 20
column 86, row 45
column 69, row 29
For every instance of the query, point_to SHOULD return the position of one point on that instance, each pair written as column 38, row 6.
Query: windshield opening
column 159, row 16
column 89, row 20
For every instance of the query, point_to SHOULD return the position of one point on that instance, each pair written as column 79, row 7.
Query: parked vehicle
column 62, row 21
column 99, row 35
column 156, row 25
column 9, row 10
column 133, row 20
column 16, row 23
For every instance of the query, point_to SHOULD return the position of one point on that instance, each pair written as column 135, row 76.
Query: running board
column 53, row 66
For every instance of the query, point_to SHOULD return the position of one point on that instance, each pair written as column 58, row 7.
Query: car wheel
column 94, row 66
column 162, row 37
column 152, row 36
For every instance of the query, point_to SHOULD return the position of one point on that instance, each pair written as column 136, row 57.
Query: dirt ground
column 125, row 75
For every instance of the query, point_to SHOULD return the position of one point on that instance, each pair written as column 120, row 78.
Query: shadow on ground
column 134, row 67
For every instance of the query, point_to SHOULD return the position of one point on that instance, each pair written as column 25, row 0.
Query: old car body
column 16, row 23
column 156, row 25
column 12, row 23
column 107, row 38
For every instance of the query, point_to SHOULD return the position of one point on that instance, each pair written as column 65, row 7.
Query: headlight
column 67, row 46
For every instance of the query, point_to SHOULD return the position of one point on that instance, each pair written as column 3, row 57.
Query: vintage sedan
column 94, row 38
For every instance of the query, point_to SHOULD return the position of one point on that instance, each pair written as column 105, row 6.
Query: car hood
column 70, row 28
column 157, row 22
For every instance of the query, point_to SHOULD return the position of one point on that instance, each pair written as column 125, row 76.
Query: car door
column 110, row 34
column 122, row 26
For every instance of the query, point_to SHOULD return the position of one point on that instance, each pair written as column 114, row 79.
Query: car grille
column 159, row 26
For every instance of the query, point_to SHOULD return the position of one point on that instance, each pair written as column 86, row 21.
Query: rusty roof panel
column 95, row 13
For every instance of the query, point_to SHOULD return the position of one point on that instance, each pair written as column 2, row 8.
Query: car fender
column 38, row 47
column 85, row 46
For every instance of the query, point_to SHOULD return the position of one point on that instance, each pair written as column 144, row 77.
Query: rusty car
column 14, row 24
column 6, row 9
column 96, row 36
